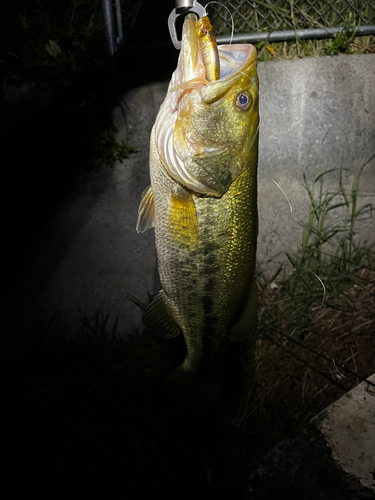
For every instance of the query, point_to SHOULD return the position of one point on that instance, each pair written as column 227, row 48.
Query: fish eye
column 243, row 101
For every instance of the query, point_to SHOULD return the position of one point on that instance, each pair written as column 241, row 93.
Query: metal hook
column 182, row 7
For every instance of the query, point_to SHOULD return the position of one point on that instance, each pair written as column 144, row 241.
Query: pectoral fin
column 247, row 324
column 146, row 211
column 183, row 222
column 156, row 317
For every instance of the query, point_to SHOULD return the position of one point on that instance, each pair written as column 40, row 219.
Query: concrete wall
column 90, row 256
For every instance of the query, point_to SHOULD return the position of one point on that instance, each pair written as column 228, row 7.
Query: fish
column 202, row 204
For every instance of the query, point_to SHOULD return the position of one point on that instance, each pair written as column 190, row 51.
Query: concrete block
column 348, row 426
column 90, row 255
column 313, row 112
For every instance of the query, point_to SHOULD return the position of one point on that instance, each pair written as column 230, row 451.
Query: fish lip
column 190, row 77
column 190, row 71
column 246, row 48
column 213, row 91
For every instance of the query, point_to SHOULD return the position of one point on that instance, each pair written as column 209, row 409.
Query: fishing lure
column 208, row 46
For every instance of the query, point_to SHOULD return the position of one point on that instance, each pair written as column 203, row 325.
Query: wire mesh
column 275, row 15
column 129, row 12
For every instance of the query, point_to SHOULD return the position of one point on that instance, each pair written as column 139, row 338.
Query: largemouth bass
column 202, row 202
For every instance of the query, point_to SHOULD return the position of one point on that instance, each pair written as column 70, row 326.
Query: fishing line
column 324, row 288
column 290, row 230
column 348, row 370
column 255, row 136
column 226, row 8
column 250, row 79
column 287, row 199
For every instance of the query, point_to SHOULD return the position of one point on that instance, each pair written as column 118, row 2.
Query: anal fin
column 156, row 317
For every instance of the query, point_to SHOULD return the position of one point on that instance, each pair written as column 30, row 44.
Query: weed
column 97, row 327
column 261, row 16
column 93, row 399
column 330, row 257
column 265, row 51
column 51, row 42
column 106, row 150
column 340, row 43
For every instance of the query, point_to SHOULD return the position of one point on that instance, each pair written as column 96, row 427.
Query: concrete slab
column 90, row 256
column 348, row 426
column 313, row 111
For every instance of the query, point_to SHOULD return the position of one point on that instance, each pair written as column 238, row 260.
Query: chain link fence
column 119, row 17
column 129, row 12
column 256, row 20
column 276, row 15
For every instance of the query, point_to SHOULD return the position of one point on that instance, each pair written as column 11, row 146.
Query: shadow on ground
column 82, row 418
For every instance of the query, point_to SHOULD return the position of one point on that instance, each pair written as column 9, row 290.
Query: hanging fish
column 202, row 202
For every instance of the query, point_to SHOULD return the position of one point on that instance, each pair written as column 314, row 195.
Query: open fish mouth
column 202, row 62
column 186, row 139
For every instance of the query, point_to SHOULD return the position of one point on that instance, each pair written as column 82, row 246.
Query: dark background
column 47, row 143
column 81, row 417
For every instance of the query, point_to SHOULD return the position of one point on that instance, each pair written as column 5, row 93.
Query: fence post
column 109, row 27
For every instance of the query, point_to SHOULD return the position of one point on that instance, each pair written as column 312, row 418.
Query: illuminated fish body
column 202, row 202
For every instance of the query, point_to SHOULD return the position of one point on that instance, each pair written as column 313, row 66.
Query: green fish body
column 202, row 203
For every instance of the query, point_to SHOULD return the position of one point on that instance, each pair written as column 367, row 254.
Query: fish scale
column 217, row 273
column 202, row 203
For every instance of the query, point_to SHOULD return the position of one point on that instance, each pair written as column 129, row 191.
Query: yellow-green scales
column 202, row 203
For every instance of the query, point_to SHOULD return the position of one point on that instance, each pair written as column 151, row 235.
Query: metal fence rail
column 118, row 14
column 278, row 15
column 257, row 20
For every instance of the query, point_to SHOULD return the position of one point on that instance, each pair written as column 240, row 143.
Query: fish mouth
column 185, row 152
column 197, row 62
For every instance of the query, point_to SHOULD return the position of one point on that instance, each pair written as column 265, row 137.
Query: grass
column 253, row 17
column 340, row 44
column 59, row 46
column 50, row 42
column 105, row 150
column 316, row 324
column 82, row 414
column 330, row 257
